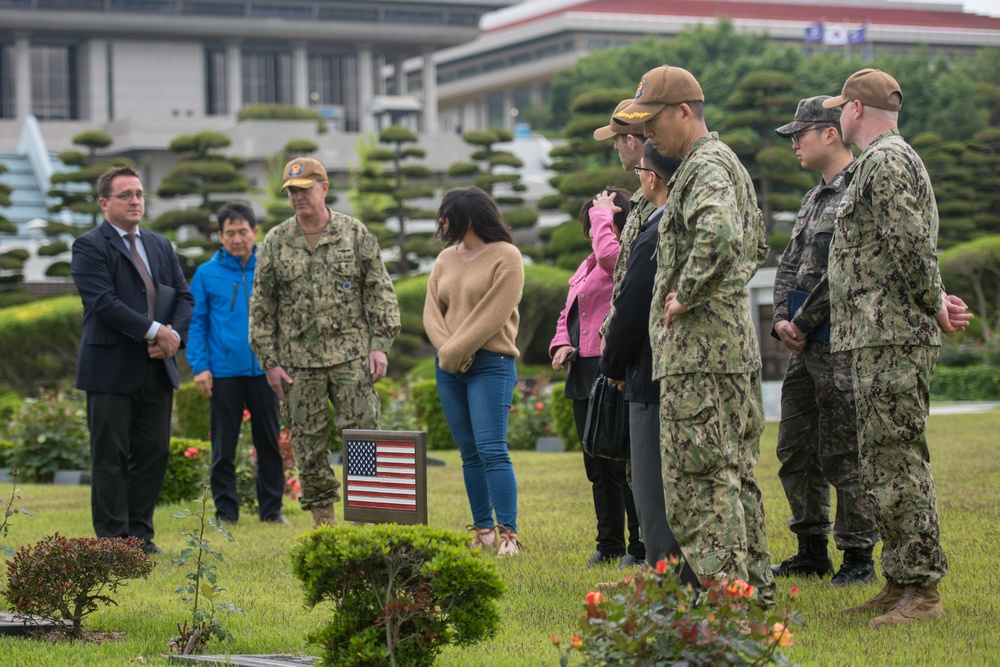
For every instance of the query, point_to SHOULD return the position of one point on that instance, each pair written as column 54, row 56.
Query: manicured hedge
column 430, row 415
column 39, row 343
column 971, row 383
column 563, row 421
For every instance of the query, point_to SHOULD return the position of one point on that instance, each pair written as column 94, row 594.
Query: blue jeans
column 476, row 404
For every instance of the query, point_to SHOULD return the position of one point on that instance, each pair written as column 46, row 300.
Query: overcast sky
column 987, row 7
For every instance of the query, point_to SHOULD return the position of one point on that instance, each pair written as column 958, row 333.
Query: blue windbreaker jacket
column 219, row 335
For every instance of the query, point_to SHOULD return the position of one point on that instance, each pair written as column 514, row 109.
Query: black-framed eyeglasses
column 797, row 136
column 639, row 170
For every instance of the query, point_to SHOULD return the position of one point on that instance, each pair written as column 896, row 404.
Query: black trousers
column 613, row 501
column 129, row 447
column 229, row 396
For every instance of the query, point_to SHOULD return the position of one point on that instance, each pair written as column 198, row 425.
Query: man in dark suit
column 126, row 363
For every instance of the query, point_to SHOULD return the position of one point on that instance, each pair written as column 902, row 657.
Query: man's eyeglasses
column 129, row 196
column 639, row 170
column 797, row 136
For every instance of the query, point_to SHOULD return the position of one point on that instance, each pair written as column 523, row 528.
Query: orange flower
column 555, row 640
column 795, row 591
column 594, row 597
column 661, row 566
column 246, row 415
column 577, row 643
column 191, row 452
column 780, row 635
column 539, row 405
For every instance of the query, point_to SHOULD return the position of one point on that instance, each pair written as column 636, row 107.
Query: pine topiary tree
column 492, row 170
column 396, row 179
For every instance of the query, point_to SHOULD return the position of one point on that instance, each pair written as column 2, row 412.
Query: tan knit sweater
column 472, row 305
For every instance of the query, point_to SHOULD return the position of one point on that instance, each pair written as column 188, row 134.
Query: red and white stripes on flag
column 381, row 475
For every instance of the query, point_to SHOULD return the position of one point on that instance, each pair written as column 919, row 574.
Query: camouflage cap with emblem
column 303, row 172
column 810, row 112
column 659, row 88
column 613, row 128
column 871, row 87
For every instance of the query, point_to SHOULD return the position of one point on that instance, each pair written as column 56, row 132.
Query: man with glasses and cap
column 705, row 351
column 817, row 436
column 323, row 315
column 888, row 309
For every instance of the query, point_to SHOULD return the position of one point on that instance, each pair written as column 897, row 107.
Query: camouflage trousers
column 818, row 448
column 355, row 405
column 710, row 426
column 892, row 385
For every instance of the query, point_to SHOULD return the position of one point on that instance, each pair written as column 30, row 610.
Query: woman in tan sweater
column 470, row 316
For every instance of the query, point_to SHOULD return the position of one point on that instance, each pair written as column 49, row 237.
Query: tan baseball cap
column 658, row 88
column 872, row 87
column 613, row 128
column 303, row 172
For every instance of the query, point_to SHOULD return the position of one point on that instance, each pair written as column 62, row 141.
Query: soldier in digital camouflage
column 888, row 309
column 323, row 315
column 817, row 436
column 629, row 144
column 705, row 351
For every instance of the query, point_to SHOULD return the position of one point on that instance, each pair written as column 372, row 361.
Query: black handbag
column 605, row 433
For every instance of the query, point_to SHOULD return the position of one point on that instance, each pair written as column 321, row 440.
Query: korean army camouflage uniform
column 885, row 289
column 817, row 436
column 639, row 211
column 712, row 242
column 317, row 314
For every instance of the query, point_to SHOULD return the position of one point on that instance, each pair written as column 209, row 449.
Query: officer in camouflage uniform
column 705, row 351
column 888, row 309
column 817, row 437
column 629, row 147
column 322, row 316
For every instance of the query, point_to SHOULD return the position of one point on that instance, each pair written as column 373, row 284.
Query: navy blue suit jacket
column 113, row 351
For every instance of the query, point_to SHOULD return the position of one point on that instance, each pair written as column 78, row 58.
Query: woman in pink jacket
column 577, row 347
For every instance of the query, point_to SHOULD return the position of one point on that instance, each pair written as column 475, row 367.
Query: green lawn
column 546, row 584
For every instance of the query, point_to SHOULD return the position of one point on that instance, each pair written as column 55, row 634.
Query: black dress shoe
column 600, row 557
column 151, row 549
column 277, row 518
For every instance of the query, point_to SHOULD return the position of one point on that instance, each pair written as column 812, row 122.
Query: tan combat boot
column 915, row 604
column 323, row 514
column 883, row 601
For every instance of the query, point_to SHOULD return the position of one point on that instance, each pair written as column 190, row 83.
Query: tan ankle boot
column 323, row 515
column 915, row 604
column 883, row 601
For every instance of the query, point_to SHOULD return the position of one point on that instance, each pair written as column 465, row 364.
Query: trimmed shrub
column 51, row 434
column 563, row 421
column 400, row 593
column 972, row 383
column 68, row 578
column 40, row 341
column 6, row 447
column 187, row 471
column 192, row 416
column 430, row 415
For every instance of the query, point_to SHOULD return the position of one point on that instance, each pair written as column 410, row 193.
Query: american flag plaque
column 385, row 476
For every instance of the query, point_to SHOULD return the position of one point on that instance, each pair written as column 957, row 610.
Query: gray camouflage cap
column 809, row 112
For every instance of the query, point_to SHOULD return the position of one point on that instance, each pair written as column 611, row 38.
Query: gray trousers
column 647, row 481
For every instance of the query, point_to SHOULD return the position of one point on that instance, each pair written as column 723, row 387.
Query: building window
column 216, row 83
column 267, row 77
column 53, row 82
column 333, row 88
column 7, row 105
column 496, row 111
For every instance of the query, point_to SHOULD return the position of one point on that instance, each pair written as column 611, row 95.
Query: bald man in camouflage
column 888, row 309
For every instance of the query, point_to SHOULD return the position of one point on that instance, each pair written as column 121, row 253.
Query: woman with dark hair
column 471, row 318
column 577, row 347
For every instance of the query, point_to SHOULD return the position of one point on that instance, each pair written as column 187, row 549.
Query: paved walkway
column 962, row 407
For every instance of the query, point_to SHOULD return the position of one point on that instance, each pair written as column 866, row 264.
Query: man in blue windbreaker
column 226, row 370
